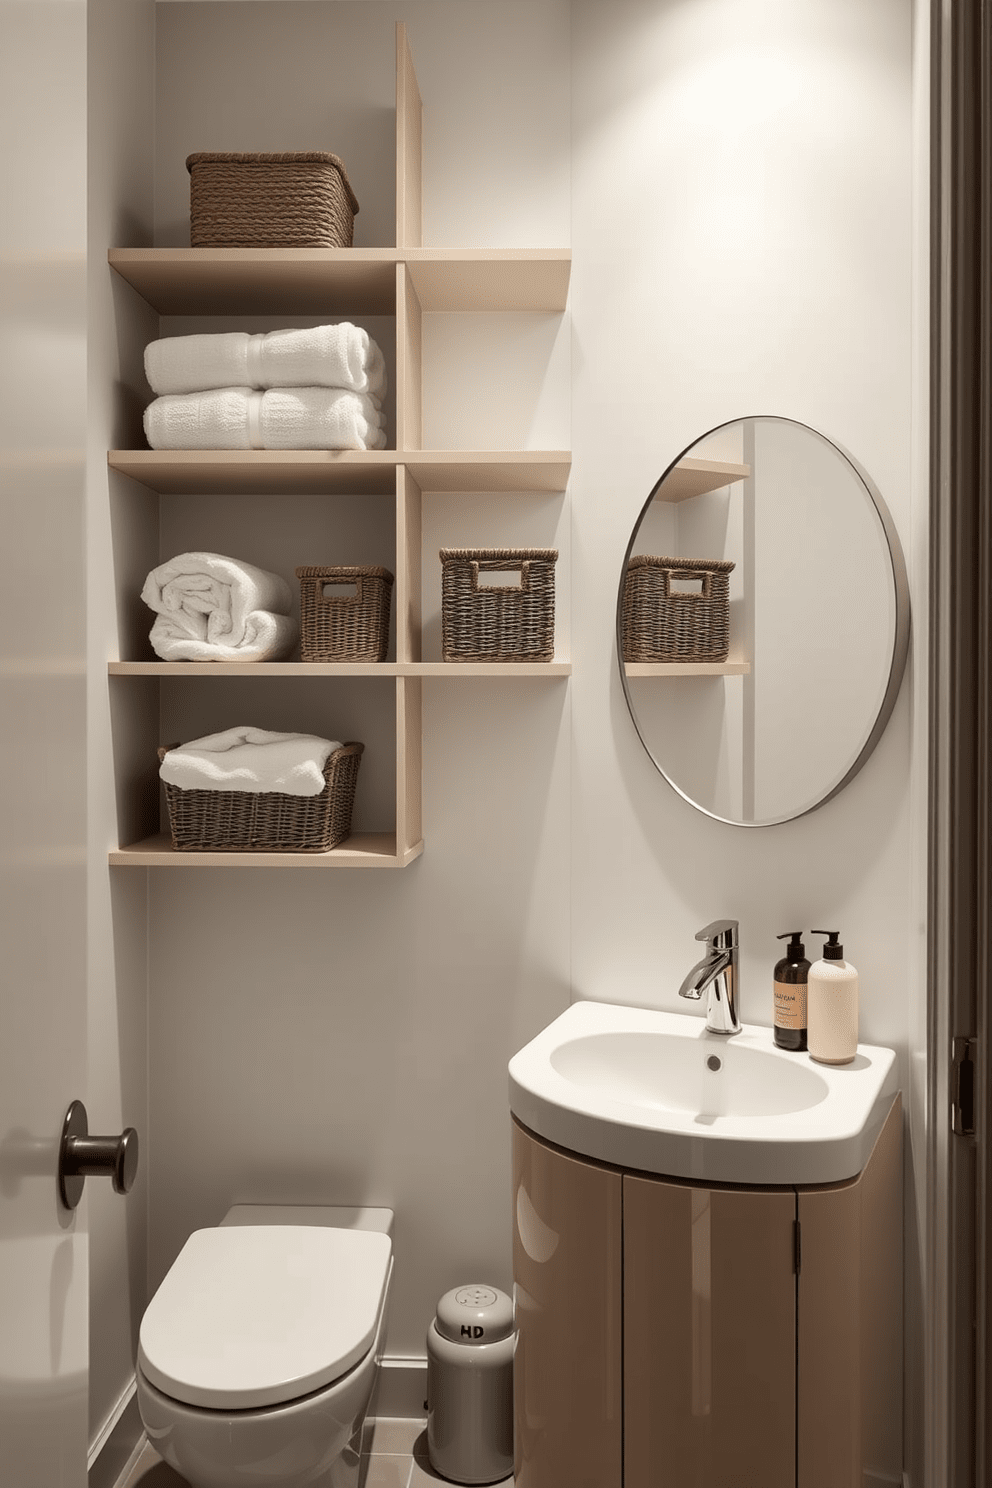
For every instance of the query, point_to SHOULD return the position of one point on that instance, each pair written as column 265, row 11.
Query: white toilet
column 258, row 1354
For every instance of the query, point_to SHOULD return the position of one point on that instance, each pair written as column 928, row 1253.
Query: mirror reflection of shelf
column 687, row 668
column 695, row 477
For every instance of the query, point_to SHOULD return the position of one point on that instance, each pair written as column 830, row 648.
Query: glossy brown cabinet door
column 709, row 1336
column 567, row 1269
column 850, row 1323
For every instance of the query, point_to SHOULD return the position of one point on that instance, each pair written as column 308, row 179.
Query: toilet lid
column 260, row 1314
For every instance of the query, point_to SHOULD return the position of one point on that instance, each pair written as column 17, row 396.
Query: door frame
column 959, row 1439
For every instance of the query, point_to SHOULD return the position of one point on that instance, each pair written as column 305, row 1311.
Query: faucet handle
column 722, row 934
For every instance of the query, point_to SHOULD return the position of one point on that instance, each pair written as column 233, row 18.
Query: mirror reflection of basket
column 662, row 624
column 483, row 621
column 267, row 821
column 351, row 626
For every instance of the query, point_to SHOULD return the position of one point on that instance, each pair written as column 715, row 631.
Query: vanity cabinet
column 683, row 1335
column 386, row 488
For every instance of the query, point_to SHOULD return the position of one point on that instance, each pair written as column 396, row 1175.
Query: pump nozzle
column 795, row 950
column 832, row 951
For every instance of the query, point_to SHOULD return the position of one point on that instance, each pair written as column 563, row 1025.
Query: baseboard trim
column 402, row 1388
column 117, row 1443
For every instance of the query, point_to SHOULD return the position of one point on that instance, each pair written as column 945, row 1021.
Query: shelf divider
column 409, row 146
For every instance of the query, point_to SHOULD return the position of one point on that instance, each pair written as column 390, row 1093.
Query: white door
column 43, row 1262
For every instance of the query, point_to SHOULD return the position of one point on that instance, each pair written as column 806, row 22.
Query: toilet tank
column 329, row 1216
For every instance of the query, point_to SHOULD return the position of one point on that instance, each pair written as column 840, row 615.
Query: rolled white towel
column 282, row 418
column 250, row 759
column 340, row 356
column 212, row 608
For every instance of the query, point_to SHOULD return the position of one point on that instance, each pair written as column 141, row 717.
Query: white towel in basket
column 250, row 759
column 339, row 356
column 212, row 608
column 280, row 419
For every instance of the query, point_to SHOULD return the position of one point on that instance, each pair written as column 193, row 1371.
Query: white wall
column 734, row 178
column 743, row 230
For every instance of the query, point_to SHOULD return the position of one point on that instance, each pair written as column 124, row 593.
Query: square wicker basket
column 659, row 625
column 267, row 821
column 270, row 201
column 498, row 622
column 344, row 627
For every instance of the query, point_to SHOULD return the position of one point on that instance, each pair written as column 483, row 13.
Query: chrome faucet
column 718, row 976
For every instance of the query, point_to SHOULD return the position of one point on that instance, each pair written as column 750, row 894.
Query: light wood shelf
column 356, row 472
column 342, row 281
column 404, row 282
column 363, row 850
column 696, row 477
column 687, row 668
column 207, row 670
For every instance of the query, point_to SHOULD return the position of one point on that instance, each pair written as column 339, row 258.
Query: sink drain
column 714, row 1063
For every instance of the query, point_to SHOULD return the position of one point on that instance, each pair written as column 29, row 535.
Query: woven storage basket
column 659, row 625
column 481, row 622
column 270, row 201
column 267, row 821
column 348, row 627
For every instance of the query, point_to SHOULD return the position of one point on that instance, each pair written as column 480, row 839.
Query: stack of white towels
column 212, row 608
column 320, row 388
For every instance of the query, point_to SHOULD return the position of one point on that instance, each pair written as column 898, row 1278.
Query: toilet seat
column 258, row 1315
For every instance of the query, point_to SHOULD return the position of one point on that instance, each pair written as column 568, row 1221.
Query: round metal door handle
column 82, row 1156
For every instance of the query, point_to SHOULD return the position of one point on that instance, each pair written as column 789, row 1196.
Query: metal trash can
column 470, row 1386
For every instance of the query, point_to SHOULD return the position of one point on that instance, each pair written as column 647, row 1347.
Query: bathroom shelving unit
column 405, row 281
column 687, row 479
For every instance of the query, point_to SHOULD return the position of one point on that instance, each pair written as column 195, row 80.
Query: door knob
column 82, row 1156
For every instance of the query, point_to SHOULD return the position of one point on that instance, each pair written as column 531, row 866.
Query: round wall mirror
column 762, row 621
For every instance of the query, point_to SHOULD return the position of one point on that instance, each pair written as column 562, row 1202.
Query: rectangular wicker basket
column 267, row 821
column 344, row 627
column 658, row 624
column 270, row 201
column 498, row 622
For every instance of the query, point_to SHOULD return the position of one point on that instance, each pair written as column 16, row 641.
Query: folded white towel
column 341, row 356
column 282, row 418
column 250, row 759
column 212, row 608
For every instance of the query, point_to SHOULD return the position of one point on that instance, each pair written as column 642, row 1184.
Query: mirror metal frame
column 900, row 643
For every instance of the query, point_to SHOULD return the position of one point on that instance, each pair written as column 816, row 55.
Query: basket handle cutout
column 348, row 593
column 515, row 578
column 692, row 585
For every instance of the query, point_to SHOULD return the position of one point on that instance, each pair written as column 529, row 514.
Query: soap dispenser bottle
column 832, row 1004
column 790, row 993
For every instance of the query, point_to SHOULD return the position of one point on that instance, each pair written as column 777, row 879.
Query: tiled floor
column 398, row 1459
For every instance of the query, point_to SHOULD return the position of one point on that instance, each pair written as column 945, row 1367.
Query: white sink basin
column 656, row 1092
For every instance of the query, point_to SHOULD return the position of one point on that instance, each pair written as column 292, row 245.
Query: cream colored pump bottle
column 832, row 1004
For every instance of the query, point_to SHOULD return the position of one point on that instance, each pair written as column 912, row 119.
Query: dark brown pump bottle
column 791, row 974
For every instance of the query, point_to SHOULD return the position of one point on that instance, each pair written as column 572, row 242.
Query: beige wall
column 735, row 182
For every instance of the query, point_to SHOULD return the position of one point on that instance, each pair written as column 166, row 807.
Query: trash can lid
column 475, row 1314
